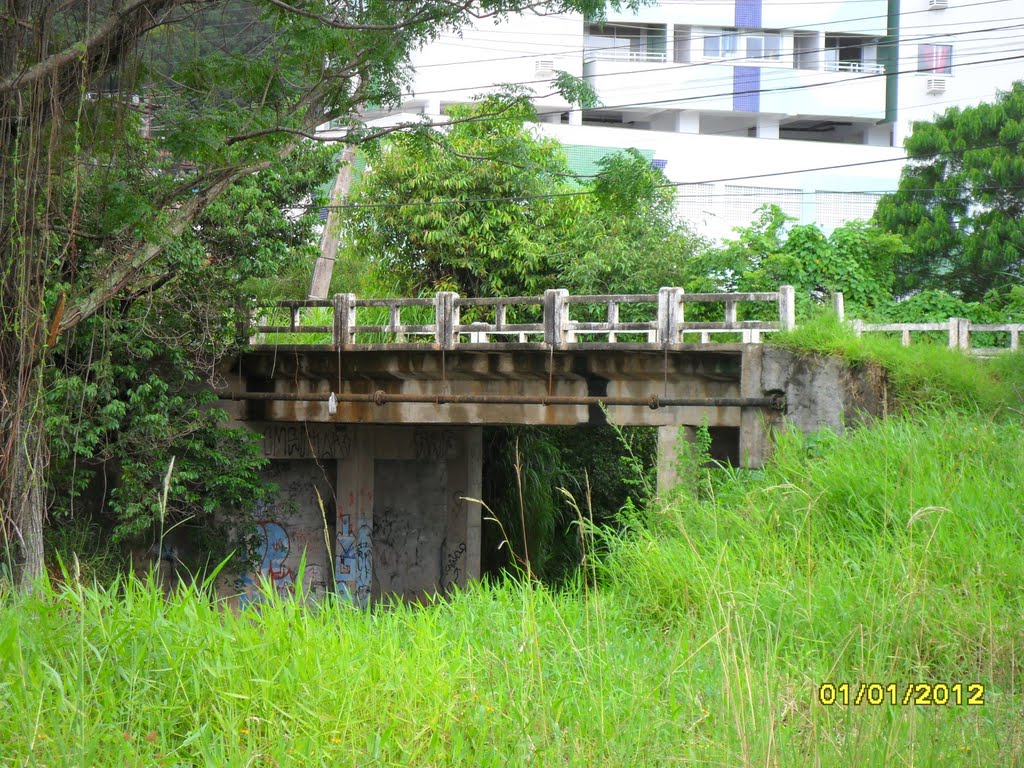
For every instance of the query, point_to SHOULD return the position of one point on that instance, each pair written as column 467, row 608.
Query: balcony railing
column 624, row 54
column 867, row 68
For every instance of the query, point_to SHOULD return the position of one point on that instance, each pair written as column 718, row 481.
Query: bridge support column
column 671, row 440
column 755, row 423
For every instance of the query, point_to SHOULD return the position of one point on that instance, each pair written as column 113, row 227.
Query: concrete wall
column 291, row 527
column 394, row 520
column 821, row 393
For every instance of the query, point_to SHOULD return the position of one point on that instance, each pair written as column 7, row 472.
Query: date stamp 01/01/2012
column 902, row 694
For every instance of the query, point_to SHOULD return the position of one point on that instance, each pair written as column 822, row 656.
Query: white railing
column 855, row 66
column 555, row 320
column 958, row 329
column 624, row 54
column 558, row 320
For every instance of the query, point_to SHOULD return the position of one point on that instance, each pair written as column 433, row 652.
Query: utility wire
column 805, row 25
column 670, row 184
column 547, row 51
column 726, row 94
column 716, row 62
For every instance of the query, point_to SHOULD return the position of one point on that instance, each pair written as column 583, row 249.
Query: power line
column 639, row 25
column 666, row 185
column 714, row 62
column 548, row 52
column 752, row 91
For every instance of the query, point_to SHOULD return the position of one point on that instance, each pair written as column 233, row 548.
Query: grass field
column 698, row 636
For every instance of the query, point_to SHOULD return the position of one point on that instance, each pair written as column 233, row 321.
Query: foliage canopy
column 960, row 202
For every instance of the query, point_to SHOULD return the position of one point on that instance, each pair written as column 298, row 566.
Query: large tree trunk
column 22, row 456
column 29, row 504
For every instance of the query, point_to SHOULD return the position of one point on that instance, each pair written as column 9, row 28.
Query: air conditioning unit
column 544, row 67
column 937, row 5
column 935, row 85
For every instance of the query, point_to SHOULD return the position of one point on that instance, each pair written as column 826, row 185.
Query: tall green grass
column 922, row 375
column 892, row 554
column 888, row 555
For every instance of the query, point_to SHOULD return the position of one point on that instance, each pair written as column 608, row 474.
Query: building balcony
column 836, row 90
column 859, row 67
column 624, row 54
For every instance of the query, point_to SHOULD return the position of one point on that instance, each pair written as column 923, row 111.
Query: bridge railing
column 554, row 320
column 558, row 319
column 961, row 333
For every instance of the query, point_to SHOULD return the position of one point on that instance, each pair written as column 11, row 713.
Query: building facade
column 742, row 102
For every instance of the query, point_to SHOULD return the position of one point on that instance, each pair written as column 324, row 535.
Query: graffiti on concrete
column 433, row 444
column 354, row 561
column 453, row 566
column 306, row 441
column 273, row 549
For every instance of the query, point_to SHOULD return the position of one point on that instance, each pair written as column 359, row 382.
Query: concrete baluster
column 963, row 333
column 670, row 315
column 446, row 317
column 959, row 333
column 839, row 305
column 556, row 317
column 613, row 320
column 344, row 318
column 787, row 308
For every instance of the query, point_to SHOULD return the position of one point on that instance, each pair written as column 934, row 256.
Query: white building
column 743, row 102
column 955, row 53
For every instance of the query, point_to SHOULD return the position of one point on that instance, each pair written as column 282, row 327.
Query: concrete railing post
column 838, row 305
column 858, row 327
column 730, row 311
column 556, row 317
column 478, row 336
column 670, row 314
column 959, row 333
column 344, row 318
column 787, row 308
column 446, row 317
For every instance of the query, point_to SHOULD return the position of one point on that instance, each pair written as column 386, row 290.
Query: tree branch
column 120, row 23
column 147, row 252
column 336, row 24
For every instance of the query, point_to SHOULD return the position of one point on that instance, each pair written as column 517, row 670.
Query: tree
column 92, row 215
column 518, row 195
column 856, row 259
column 629, row 238
column 960, row 202
column 489, row 208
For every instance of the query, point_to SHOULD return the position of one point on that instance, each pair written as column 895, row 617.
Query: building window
column 623, row 42
column 767, row 45
column 737, row 44
column 720, row 43
column 937, row 59
column 852, row 53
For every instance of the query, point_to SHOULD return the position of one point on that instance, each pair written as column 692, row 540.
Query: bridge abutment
column 371, row 511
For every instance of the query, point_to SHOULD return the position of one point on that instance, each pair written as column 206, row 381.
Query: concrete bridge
column 375, row 408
